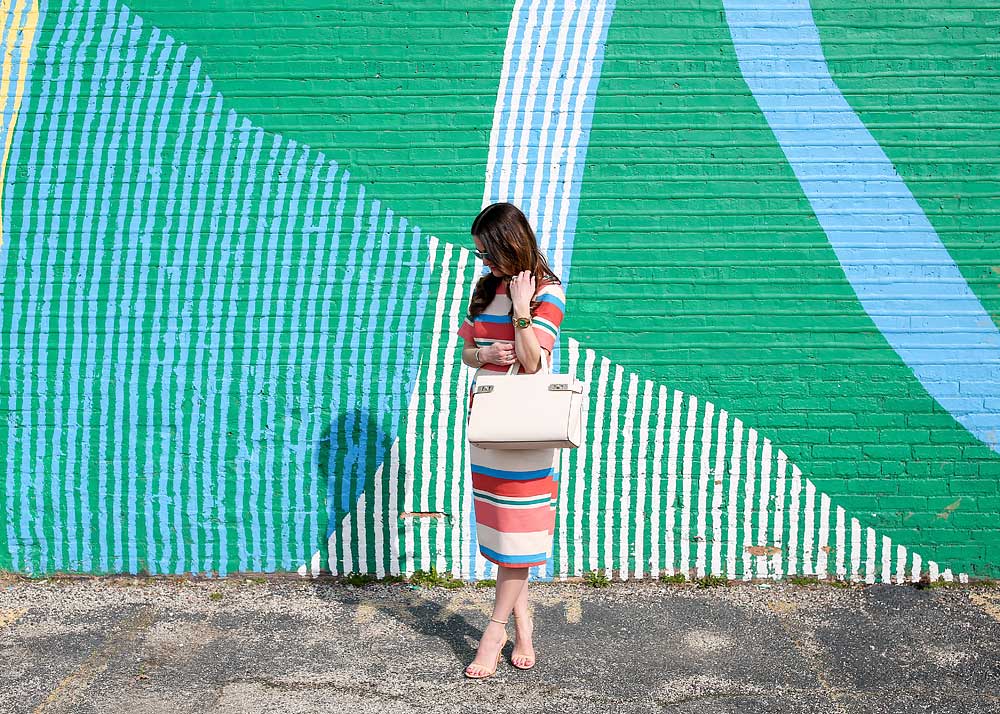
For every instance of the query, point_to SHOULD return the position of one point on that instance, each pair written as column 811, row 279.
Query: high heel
column 499, row 652
column 531, row 660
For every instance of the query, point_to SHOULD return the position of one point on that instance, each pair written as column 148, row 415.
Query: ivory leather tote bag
column 526, row 411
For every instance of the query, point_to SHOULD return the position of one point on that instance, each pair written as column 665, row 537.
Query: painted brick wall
column 235, row 252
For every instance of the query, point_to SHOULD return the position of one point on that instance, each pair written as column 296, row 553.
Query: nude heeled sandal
column 531, row 660
column 499, row 652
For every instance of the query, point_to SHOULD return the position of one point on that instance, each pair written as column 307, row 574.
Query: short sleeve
column 548, row 314
column 466, row 329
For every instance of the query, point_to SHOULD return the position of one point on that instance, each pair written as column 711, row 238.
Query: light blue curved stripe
column 901, row 272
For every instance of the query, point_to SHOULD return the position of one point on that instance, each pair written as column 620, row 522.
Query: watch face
column 523, row 322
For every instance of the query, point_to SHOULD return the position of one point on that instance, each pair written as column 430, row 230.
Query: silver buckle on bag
column 558, row 387
column 484, row 388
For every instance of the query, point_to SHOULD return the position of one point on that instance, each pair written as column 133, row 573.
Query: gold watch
column 521, row 322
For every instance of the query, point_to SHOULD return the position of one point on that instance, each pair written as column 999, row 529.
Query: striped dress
column 515, row 490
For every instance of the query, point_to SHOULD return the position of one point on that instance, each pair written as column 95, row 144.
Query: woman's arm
column 469, row 353
column 529, row 352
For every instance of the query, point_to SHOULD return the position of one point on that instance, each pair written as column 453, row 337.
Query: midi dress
column 515, row 491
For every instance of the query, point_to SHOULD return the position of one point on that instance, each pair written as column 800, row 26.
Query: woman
column 514, row 316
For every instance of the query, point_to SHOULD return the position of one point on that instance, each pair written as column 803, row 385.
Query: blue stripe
column 17, row 507
column 493, row 318
column 548, row 297
column 513, row 475
column 533, row 558
column 914, row 293
column 143, row 209
column 243, row 454
column 76, row 448
column 172, row 530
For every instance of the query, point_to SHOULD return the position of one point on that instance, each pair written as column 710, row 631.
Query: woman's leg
column 510, row 585
column 524, row 652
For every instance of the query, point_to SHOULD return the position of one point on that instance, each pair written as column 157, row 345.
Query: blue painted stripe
column 158, row 545
column 326, row 432
column 512, row 559
column 219, row 371
column 94, row 380
column 110, row 363
column 302, row 364
column 513, row 475
column 913, row 292
column 16, row 449
column 140, row 228
column 79, row 447
column 165, row 323
column 243, row 454
column 284, row 474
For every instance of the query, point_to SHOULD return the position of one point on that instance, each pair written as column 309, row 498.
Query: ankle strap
column 502, row 622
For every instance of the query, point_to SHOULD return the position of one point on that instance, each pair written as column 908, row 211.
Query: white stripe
column 536, row 44
column 704, row 474
column 542, row 164
column 611, row 460
column 915, row 572
column 870, row 555
column 559, row 149
column 793, row 521
column 840, row 547
column 596, row 28
column 581, row 461
column 598, row 423
column 639, row 541
column 626, row 538
column 669, row 559
column 654, row 506
column 900, row 564
column 508, row 54
column 763, row 509
column 822, row 569
column 734, row 479
column 778, row 535
column 748, row 490
column 719, row 477
column 855, row 549
column 886, row 559
column 809, row 529
column 514, row 106
column 686, row 486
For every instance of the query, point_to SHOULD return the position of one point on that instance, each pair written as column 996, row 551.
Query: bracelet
column 477, row 356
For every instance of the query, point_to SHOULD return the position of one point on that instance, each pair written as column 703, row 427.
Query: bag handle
column 545, row 366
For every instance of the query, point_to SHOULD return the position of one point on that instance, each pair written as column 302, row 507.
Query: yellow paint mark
column 574, row 611
column 364, row 613
column 9, row 617
column 949, row 508
column 71, row 687
column 782, row 607
column 26, row 28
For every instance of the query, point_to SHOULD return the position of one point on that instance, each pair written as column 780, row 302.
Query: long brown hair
column 508, row 238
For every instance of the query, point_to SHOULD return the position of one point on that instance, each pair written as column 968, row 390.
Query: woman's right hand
column 498, row 353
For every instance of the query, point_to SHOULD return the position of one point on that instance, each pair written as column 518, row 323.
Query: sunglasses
column 481, row 254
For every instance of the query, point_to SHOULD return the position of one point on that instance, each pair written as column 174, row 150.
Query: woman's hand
column 522, row 290
column 498, row 353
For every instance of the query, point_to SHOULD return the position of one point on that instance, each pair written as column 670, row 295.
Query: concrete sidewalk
column 254, row 645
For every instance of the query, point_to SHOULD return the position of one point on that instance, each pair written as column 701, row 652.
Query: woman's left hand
column 522, row 289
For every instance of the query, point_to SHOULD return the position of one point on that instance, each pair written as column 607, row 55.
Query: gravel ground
column 279, row 645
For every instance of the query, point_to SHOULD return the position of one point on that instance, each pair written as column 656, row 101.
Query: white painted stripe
column 749, row 486
column 855, row 549
column 686, row 487
column 794, row 509
column 778, row 534
column 763, row 509
column 654, row 506
column 704, row 475
column 641, row 513
column 734, row 480
column 582, row 470
column 598, row 458
column 669, row 556
column 611, row 455
column 719, row 476
column 840, row 547
column 886, row 559
column 809, row 529
column 822, row 551
column 627, row 457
